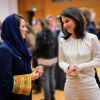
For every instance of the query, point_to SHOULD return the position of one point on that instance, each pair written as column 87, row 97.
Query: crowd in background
column 43, row 41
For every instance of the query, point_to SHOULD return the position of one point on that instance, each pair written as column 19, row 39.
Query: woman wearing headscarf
column 79, row 54
column 15, row 61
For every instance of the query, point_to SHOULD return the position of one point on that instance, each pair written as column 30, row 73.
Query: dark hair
column 45, row 24
column 86, row 13
column 75, row 14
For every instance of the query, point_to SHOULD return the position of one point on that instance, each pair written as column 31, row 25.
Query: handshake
column 37, row 72
column 73, row 70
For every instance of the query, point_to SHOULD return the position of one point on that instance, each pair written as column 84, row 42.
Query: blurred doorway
column 30, row 17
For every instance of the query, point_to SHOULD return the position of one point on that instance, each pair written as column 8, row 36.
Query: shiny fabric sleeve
column 95, row 54
column 62, row 62
column 22, row 84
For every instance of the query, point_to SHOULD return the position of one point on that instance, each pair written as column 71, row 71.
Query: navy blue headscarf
column 11, row 35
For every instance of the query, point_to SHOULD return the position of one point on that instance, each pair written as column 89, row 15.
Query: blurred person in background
column 52, row 22
column 45, row 51
column 31, row 42
column 59, row 74
column 98, row 29
column 59, row 28
column 31, row 38
column 89, row 20
column 93, row 15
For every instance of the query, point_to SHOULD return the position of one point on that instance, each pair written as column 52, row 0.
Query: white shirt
column 85, row 53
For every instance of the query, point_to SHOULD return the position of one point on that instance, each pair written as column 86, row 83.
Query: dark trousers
column 48, row 82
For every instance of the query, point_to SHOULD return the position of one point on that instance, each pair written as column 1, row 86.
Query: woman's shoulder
column 61, row 39
column 5, row 55
column 90, row 35
column 4, row 49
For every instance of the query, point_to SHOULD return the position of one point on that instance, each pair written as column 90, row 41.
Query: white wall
column 7, row 7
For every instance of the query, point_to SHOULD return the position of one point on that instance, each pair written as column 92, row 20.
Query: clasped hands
column 73, row 70
column 37, row 72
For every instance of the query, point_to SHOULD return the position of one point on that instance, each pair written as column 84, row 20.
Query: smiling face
column 23, row 28
column 69, row 24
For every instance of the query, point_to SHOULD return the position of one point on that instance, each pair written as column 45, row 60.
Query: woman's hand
column 34, row 75
column 73, row 70
column 37, row 72
column 40, row 70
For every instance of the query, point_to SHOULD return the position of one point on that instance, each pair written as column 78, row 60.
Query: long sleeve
column 9, row 83
column 62, row 61
column 6, row 76
column 95, row 62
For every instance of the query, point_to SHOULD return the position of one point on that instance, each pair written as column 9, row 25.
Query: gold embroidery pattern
column 22, row 84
